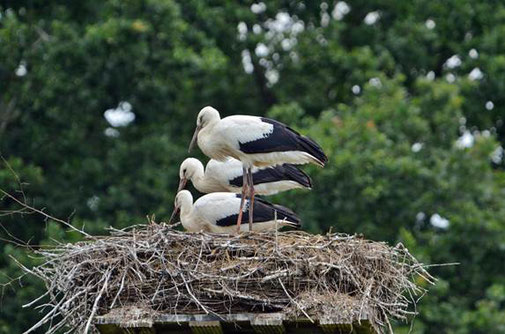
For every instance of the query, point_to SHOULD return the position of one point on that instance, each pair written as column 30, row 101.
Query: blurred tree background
column 98, row 100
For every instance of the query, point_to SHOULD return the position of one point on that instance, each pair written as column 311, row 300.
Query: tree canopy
column 98, row 100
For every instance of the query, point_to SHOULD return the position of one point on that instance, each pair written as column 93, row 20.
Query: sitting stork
column 218, row 212
column 255, row 141
column 227, row 176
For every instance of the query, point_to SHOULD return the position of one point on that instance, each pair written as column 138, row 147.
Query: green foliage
column 380, row 98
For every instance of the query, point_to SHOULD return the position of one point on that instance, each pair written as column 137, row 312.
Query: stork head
column 183, row 200
column 206, row 117
column 189, row 169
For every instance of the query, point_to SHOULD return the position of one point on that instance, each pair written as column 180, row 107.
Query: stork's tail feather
column 312, row 148
column 290, row 218
column 297, row 175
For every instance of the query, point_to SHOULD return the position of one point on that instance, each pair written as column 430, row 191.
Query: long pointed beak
column 174, row 214
column 195, row 137
column 182, row 184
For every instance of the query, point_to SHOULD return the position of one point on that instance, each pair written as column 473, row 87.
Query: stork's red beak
column 174, row 214
column 182, row 184
column 194, row 139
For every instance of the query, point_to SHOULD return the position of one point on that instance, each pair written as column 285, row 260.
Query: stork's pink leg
column 242, row 200
column 251, row 199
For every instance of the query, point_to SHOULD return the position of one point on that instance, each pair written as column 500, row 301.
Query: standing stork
column 218, row 212
column 227, row 176
column 255, row 141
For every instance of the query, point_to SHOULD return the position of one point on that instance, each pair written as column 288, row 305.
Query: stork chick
column 227, row 176
column 218, row 212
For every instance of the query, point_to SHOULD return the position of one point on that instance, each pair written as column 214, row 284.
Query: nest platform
column 153, row 277
column 245, row 323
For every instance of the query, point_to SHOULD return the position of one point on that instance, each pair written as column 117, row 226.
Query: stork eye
column 184, row 171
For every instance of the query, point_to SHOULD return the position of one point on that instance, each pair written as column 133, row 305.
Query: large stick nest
column 158, row 268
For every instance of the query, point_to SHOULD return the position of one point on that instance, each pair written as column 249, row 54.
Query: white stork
column 227, row 176
column 255, row 141
column 218, row 212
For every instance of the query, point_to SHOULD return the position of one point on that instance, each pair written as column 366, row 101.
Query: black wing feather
column 283, row 172
column 283, row 138
column 263, row 211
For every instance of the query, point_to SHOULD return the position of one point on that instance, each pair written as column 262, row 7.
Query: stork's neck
column 198, row 176
column 186, row 206
column 207, row 142
column 204, row 184
column 209, row 127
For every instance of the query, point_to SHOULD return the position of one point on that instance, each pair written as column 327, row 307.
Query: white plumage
column 216, row 212
column 255, row 141
column 227, row 176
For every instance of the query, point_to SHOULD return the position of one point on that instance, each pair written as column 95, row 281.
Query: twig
column 294, row 302
column 44, row 214
column 95, row 305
